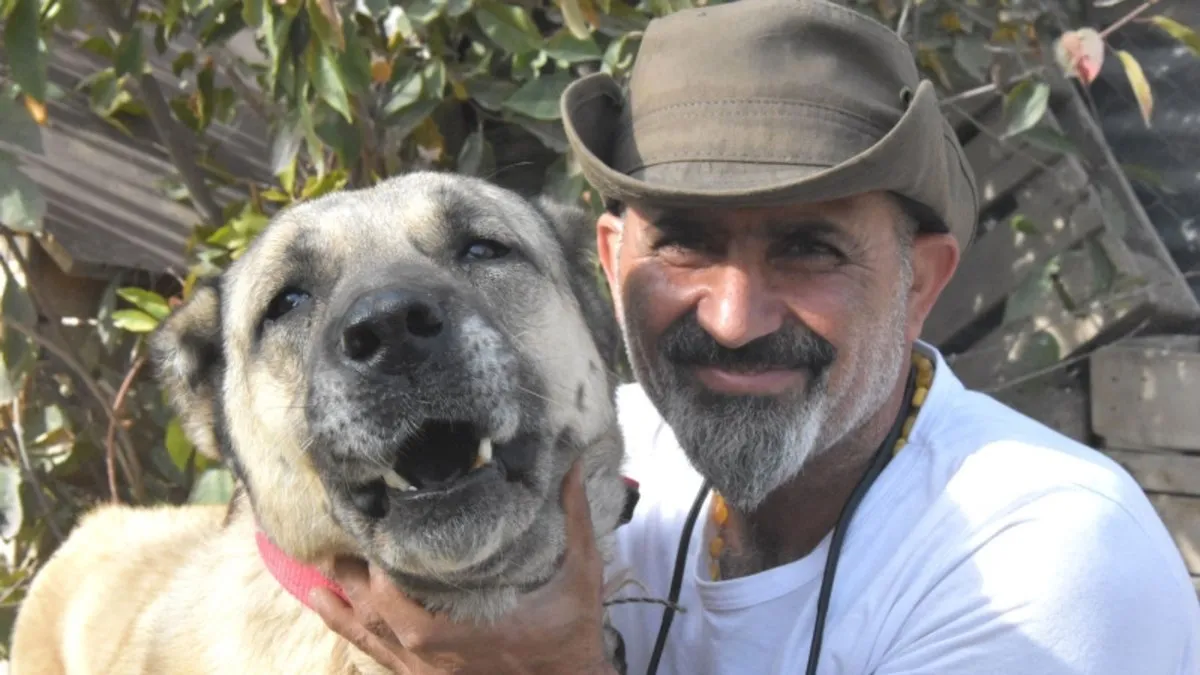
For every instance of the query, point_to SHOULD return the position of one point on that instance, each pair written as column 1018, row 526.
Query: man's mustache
column 793, row 347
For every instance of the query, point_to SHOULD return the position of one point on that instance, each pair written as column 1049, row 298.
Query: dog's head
column 406, row 372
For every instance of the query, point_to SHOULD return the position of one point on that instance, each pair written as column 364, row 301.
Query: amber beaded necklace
column 719, row 512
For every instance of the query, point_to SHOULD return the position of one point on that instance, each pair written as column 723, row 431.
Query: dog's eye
column 287, row 300
column 484, row 249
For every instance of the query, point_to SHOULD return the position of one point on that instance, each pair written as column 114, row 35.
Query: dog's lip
column 488, row 472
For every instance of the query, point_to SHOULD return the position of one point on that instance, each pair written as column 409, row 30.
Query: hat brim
column 919, row 157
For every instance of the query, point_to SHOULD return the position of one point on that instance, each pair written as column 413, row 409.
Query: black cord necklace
column 878, row 462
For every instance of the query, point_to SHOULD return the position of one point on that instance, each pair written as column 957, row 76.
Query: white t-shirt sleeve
column 1055, row 585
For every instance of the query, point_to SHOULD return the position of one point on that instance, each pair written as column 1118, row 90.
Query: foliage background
column 351, row 91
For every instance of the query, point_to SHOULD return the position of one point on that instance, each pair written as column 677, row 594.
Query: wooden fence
column 1065, row 305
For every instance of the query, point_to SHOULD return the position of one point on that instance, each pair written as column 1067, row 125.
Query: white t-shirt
column 989, row 544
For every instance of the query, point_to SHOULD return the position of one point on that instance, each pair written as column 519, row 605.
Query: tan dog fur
column 182, row 590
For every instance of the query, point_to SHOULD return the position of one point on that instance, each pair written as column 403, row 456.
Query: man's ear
column 934, row 259
column 573, row 226
column 608, row 237
column 186, row 352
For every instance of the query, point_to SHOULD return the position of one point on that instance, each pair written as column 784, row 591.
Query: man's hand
column 555, row 629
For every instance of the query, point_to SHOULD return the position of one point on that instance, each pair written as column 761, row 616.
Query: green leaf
column 148, row 301
column 1022, row 224
column 434, row 77
column 489, row 92
column 22, row 204
column 355, row 62
column 575, row 19
column 214, row 486
column 253, row 12
column 404, row 93
column 12, row 515
column 327, row 78
column 564, row 182
column 286, row 144
column 549, row 133
column 345, row 139
column 99, row 45
column 972, row 55
column 456, row 8
column 401, row 124
column 179, row 448
column 134, row 321
column 18, row 352
column 619, row 55
column 1180, row 32
column 397, row 27
column 317, row 186
column 1025, row 106
column 470, row 156
column 25, row 49
column 129, row 57
column 508, row 26
column 183, row 62
column 327, row 23
column 539, row 98
column 1050, row 139
column 424, row 12
column 566, row 47
column 17, row 126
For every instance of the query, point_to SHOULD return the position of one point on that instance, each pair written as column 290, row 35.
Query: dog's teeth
column 396, row 481
column 484, row 455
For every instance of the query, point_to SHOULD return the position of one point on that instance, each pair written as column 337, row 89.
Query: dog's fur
column 257, row 367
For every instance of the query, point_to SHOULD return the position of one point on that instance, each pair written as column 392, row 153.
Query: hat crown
column 799, row 52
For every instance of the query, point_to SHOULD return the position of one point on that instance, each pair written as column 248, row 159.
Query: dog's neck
column 299, row 579
column 295, row 577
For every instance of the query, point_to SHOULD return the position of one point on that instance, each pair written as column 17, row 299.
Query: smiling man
column 819, row 491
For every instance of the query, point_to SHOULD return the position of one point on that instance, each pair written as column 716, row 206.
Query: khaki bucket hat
column 765, row 102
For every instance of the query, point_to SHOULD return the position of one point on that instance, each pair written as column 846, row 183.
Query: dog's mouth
column 438, row 455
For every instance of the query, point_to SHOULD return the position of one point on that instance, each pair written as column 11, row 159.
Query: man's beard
column 748, row 446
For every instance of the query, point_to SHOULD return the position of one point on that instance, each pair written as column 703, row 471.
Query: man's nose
column 739, row 307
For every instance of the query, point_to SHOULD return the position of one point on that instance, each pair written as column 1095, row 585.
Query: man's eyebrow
column 676, row 223
column 807, row 225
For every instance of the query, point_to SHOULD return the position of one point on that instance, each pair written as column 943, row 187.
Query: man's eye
column 287, row 300
column 484, row 249
column 810, row 249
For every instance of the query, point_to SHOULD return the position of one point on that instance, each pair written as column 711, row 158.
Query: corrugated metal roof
column 107, row 209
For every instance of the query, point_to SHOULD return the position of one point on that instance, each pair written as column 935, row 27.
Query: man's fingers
column 581, row 544
column 352, row 575
column 575, row 506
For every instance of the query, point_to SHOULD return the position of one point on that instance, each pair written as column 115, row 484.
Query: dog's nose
column 392, row 328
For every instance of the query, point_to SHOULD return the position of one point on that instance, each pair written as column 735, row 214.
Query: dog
column 403, row 373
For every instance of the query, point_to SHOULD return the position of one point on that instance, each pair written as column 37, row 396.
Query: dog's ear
column 576, row 232
column 186, row 352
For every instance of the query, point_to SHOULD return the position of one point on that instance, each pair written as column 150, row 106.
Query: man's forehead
column 845, row 214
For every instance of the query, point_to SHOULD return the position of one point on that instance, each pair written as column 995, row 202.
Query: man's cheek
column 648, row 302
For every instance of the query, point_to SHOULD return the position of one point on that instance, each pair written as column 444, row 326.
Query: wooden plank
column 1181, row 515
column 1160, row 471
column 1058, row 399
column 994, row 265
column 1089, row 302
column 1002, row 165
column 1144, row 392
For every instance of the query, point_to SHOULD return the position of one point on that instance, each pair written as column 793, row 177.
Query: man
column 787, row 203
